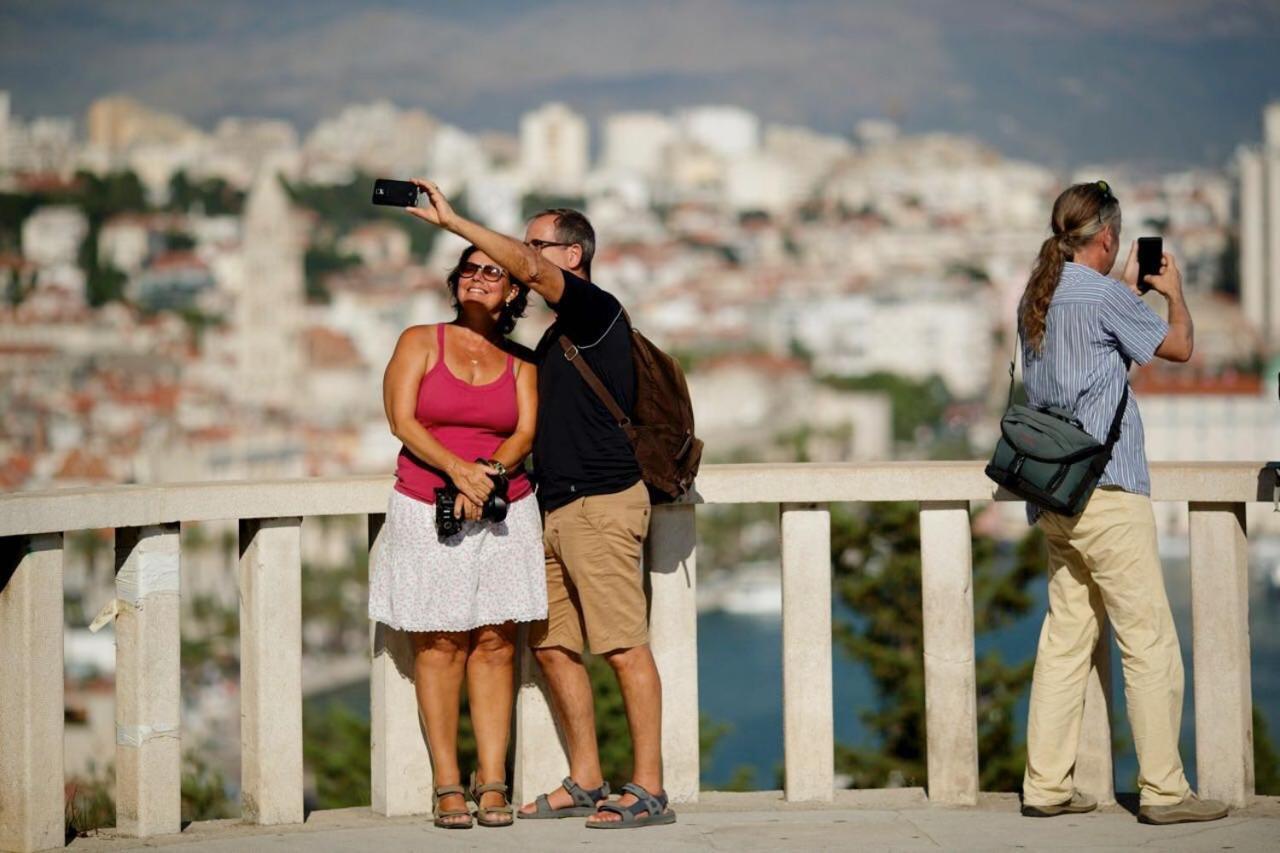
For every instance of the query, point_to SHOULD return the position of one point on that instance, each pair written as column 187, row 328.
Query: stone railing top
column 24, row 513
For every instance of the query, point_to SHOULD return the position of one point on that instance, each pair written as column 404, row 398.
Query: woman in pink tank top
column 463, row 401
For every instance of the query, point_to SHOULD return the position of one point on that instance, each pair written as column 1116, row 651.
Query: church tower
column 269, row 307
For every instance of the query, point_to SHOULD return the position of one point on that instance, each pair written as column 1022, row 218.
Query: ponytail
column 1080, row 213
column 1034, row 307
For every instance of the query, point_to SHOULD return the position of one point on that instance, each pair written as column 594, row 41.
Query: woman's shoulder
column 420, row 337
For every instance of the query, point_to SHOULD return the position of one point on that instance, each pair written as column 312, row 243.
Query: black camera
column 494, row 509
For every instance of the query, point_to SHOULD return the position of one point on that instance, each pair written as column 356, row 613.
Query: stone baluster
column 1220, row 649
column 31, row 698
column 671, row 559
column 400, row 763
column 148, row 702
column 271, row 670
column 950, row 681
column 807, row 711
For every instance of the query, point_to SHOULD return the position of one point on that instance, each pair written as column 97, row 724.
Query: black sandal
column 584, row 802
column 658, row 813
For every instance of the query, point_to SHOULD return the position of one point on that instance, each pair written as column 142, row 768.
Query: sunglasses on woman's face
column 488, row 272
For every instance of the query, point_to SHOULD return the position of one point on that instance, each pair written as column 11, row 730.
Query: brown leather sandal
column 443, row 817
column 484, row 814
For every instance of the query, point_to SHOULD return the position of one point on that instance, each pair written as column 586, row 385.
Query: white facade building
column 761, row 181
column 51, row 236
column 43, row 145
column 377, row 138
column 637, row 142
column 724, row 130
column 124, row 242
column 554, row 144
column 948, row 334
column 1260, row 230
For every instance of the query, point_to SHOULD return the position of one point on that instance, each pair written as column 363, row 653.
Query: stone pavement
column 858, row 820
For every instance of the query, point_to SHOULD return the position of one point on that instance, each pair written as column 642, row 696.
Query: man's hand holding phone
column 437, row 211
column 1168, row 280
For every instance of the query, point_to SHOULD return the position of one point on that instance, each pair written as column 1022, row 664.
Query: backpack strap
column 574, row 357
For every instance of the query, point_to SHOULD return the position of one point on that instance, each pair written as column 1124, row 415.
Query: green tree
column 212, row 195
column 533, row 202
column 104, row 284
column 876, row 563
column 204, row 790
column 1266, row 763
column 918, row 405
column 336, row 751
column 343, row 207
column 320, row 261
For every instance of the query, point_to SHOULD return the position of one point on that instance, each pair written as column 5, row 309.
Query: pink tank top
column 470, row 420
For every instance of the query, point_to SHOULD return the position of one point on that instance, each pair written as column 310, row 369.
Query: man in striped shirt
column 1081, row 330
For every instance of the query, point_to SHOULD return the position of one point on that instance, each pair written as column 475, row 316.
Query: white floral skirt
column 485, row 575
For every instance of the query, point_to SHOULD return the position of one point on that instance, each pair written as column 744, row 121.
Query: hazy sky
column 1061, row 81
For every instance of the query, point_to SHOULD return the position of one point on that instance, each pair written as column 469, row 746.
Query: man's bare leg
column 642, row 696
column 574, row 706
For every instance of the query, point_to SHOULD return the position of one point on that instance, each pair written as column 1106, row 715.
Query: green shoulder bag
column 1046, row 457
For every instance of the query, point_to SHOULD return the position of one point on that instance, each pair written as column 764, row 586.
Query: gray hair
column 572, row 226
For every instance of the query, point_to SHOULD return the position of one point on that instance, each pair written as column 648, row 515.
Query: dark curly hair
column 511, row 312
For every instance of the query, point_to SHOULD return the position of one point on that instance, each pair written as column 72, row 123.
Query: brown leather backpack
column 661, row 428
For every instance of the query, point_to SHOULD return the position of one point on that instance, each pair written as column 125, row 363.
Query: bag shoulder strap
column 1113, row 434
column 574, row 357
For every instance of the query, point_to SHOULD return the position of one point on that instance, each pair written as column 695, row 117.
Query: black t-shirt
column 579, row 448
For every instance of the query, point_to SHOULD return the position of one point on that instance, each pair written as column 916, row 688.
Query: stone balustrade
column 147, row 759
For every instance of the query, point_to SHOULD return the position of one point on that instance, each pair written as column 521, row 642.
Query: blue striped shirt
column 1096, row 327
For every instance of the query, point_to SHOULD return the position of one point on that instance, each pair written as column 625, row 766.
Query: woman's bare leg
column 440, row 662
column 491, row 690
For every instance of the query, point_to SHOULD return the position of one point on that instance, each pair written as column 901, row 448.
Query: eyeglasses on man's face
column 488, row 272
column 546, row 244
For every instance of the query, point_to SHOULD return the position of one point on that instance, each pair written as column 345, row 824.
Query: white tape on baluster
column 146, row 573
column 107, row 614
column 136, row 736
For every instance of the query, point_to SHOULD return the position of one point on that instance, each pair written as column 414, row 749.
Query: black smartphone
column 395, row 193
column 1150, row 254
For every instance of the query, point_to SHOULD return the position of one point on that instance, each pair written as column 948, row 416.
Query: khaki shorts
column 595, row 582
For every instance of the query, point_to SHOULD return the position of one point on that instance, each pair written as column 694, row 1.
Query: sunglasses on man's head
column 1105, row 189
column 488, row 272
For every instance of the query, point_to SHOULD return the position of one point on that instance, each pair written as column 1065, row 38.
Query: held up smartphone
column 395, row 193
column 1150, row 253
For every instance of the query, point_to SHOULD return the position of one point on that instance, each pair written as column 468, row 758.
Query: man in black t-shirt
column 596, row 513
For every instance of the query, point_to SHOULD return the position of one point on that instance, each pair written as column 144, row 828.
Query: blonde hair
column 1080, row 213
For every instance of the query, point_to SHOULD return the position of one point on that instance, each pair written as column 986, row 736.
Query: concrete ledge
column 138, row 506
column 898, row 819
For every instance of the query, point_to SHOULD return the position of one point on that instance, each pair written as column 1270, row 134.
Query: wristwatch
column 496, row 465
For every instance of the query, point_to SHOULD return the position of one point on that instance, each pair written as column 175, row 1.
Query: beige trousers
column 1103, row 563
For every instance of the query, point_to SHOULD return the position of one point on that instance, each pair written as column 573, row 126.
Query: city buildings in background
column 187, row 304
